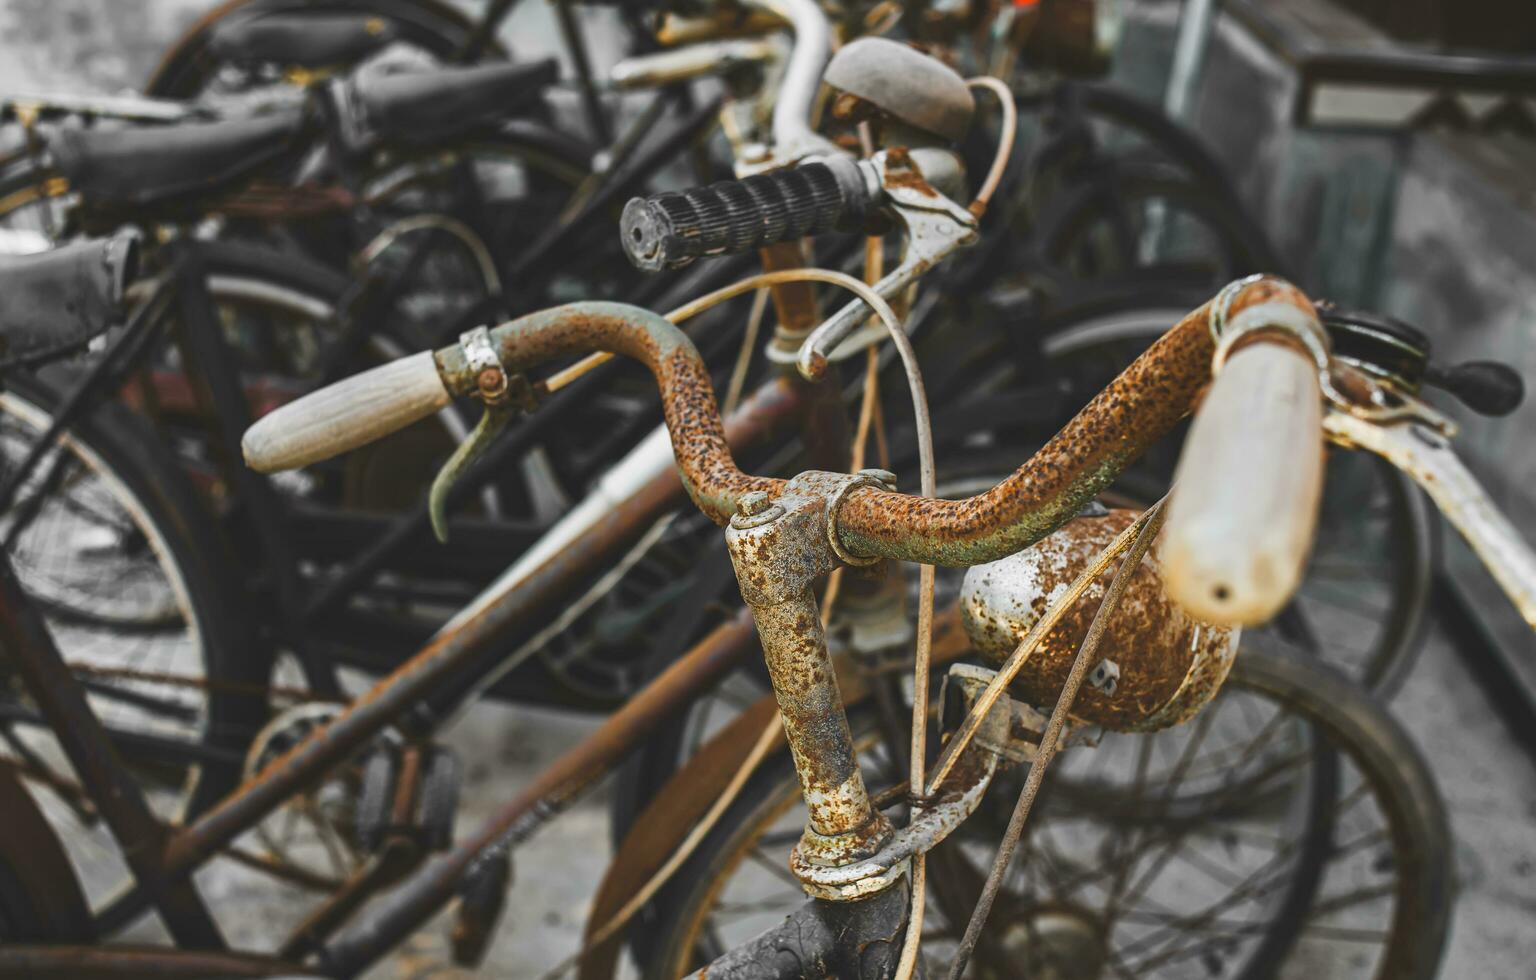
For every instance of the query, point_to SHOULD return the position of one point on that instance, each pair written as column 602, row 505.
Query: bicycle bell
column 922, row 101
column 1155, row 665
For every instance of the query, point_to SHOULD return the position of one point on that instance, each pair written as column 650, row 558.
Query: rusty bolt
column 491, row 384
column 753, row 503
column 755, row 508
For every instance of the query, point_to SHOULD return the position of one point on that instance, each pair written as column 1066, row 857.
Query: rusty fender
column 680, row 803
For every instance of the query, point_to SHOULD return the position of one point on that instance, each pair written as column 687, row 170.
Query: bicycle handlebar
column 670, row 230
column 794, row 102
column 1246, row 491
column 1137, row 408
column 346, row 415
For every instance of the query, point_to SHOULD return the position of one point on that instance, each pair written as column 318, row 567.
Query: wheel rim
column 1302, row 881
column 122, row 617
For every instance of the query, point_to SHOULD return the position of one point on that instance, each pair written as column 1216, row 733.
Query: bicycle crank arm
column 1427, row 457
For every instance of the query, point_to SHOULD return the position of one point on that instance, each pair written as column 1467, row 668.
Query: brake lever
column 1424, row 453
column 935, row 226
column 1352, row 391
column 504, row 396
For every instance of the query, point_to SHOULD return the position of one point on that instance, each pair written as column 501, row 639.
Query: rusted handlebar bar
column 1140, row 406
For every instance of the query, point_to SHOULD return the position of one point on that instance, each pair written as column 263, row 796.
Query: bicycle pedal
column 376, row 797
column 412, row 792
column 439, row 804
column 482, row 896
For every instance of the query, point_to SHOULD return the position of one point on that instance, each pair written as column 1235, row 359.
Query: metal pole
column 1194, row 39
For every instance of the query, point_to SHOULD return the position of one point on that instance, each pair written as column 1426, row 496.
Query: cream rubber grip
column 1245, row 495
column 342, row 416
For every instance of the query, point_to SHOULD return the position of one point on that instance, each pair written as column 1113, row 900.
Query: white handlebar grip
column 342, row 416
column 1245, row 496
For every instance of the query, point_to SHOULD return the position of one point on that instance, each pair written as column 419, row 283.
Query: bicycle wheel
column 35, row 203
column 1367, row 582
column 1132, row 219
column 1293, row 889
column 111, row 542
column 505, row 186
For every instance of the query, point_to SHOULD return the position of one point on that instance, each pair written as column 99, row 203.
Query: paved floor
column 105, row 45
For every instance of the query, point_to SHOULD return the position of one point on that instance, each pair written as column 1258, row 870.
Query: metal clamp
column 1302, row 325
column 880, row 479
column 491, row 380
column 1372, row 402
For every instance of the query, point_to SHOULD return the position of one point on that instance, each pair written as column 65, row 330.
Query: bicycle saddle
column 153, row 165
column 427, row 106
column 56, row 301
column 302, row 40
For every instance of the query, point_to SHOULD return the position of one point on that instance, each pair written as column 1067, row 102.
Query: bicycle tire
column 1069, row 218
column 119, row 445
column 1357, row 727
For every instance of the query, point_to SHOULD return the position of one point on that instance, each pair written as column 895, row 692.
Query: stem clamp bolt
column 755, row 508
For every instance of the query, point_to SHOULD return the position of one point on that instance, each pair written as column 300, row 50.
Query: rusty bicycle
column 406, row 381
column 848, row 854
column 1042, row 493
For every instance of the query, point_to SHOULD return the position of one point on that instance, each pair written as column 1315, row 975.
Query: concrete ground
column 1489, row 784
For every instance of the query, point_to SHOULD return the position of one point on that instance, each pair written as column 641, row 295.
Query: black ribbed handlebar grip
column 665, row 231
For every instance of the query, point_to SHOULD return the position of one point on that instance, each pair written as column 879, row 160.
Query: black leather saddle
column 138, row 167
column 427, row 106
column 55, row 302
column 303, row 40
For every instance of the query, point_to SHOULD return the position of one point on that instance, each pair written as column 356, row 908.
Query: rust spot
column 1169, row 664
column 1148, row 398
column 900, row 171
